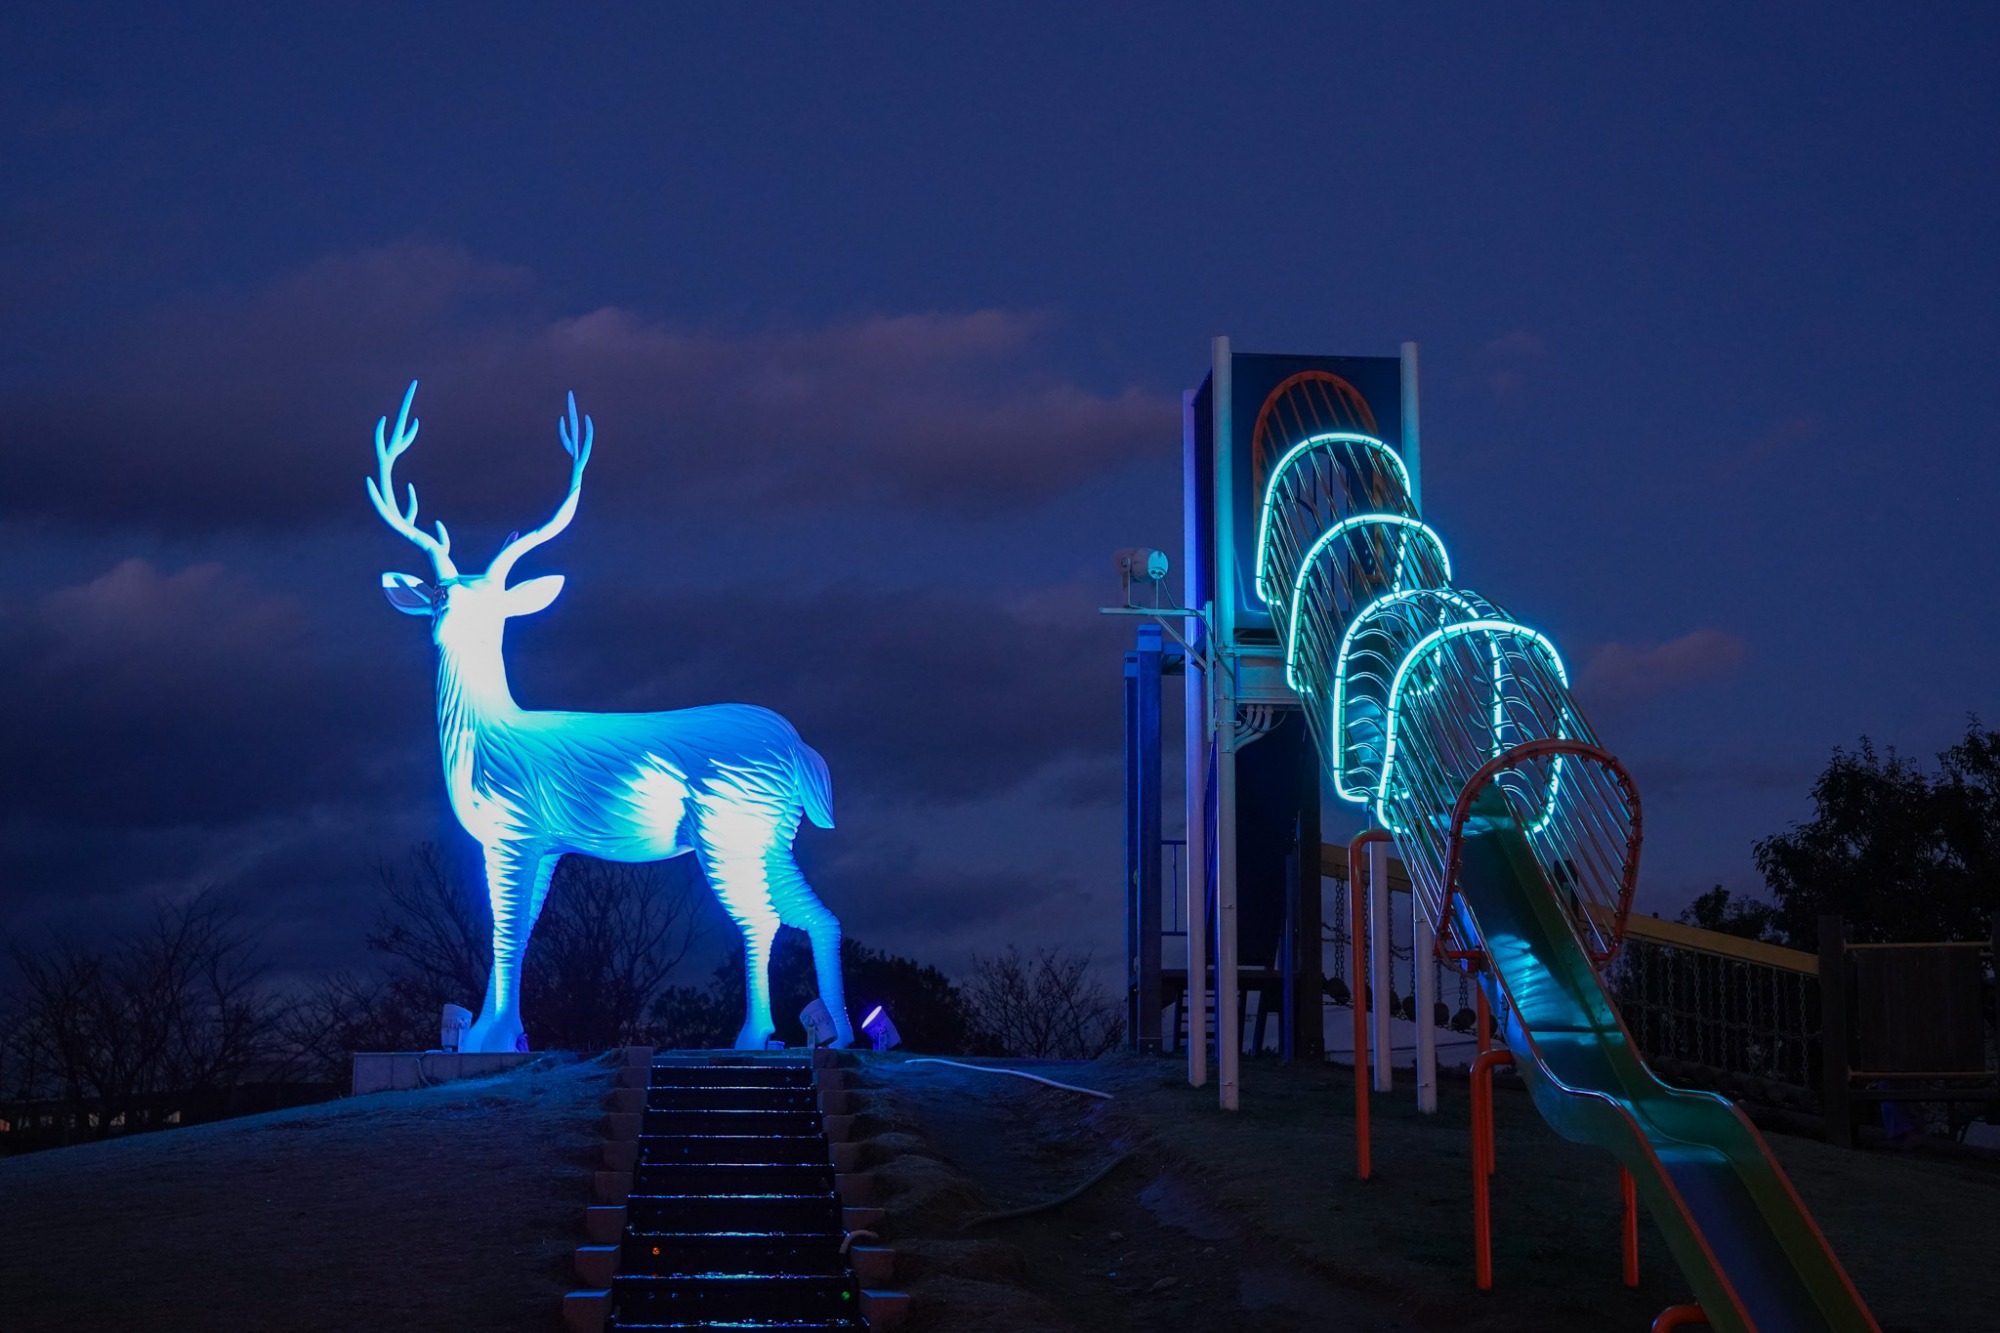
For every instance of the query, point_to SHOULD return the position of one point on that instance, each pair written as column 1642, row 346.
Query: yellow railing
column 1671, row 934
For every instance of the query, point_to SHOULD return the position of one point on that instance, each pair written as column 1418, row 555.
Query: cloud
column 154, row 699
column 254, row 412
column 195, row 653
column 1514, row 345
column 1632, row 673
column 1500, row 366
column 1781, row 438
column 190, row 726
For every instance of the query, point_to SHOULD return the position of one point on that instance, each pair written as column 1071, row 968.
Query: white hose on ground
column 1017, row 1073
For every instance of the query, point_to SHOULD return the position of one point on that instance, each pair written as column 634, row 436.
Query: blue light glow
column 1320, row 544
column 1426, row 645
column 728, row 782
column 1340, row 672
column 1298, row 451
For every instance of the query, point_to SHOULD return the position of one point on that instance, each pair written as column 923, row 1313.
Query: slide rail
column 1601, row 904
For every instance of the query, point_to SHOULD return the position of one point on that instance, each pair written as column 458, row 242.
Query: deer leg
column 800, row 907
column 736, row 873
column 757, row 1025
column 517, row 883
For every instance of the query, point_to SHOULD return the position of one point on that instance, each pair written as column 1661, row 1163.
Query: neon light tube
column 1293, row 454
column 1320, row 544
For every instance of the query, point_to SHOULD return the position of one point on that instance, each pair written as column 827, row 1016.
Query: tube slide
column 1452, row 722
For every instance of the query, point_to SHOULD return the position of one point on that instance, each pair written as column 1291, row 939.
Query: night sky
column 883, row 314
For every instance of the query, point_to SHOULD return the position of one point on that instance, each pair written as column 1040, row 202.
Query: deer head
column 468, row 608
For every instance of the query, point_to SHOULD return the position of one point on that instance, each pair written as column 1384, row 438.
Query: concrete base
column 398, row 1071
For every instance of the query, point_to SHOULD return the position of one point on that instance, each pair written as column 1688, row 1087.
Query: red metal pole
column 1679, row 1316
column 1482, row 1164
column 1630, row 1190
column 1357, row 986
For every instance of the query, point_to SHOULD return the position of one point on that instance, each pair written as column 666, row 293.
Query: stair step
column 751, row 1177
column 733, row 1298
column 753, row 1325
column 732, row 1060
column 709, row 1076
column 670, row 1253
column 665, row 1149
column 738, row 1213
column 733, row 1219
column 740, row 1097
column 743, row 1123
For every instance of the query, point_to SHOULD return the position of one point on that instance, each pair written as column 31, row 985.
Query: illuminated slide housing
column 728, row 782
column 1451, row 722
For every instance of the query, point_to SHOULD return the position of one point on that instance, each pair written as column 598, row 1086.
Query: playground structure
column 1314, row 589
column 728, row 782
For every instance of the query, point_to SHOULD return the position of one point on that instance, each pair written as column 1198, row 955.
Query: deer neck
column 473, row 697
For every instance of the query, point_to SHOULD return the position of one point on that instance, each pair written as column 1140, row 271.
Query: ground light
column 880, row 1030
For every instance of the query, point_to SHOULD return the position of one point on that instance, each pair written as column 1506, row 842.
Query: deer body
column 727, row 782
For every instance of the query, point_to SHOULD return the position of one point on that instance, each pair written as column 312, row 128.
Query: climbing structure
column 1452, row 722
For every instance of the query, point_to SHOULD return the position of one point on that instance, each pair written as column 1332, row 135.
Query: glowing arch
column 1296, row 452
column 1326, row 539
column 1451, row 597
column 1429, row 644
column 1315, row 401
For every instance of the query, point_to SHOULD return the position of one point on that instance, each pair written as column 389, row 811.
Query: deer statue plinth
column 727, row 782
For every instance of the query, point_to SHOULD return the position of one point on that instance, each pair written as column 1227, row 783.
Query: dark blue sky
column 883, row 313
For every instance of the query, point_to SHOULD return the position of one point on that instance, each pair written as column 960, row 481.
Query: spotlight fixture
column 880, row 1030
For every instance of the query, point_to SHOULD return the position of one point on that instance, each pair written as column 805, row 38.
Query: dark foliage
column 1902, row 854
column 931, row 1014
column 112, row 1029
column 1746, row 918
column 1044, row 1004
column 609, row 938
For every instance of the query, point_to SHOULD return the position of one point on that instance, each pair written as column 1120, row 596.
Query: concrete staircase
column 725, row 1201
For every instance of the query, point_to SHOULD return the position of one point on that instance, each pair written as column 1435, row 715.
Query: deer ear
column 524, row 599
column 409, row 594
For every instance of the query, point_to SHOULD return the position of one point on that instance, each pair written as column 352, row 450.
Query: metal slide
column 1453, row 723
column 1735, row 1226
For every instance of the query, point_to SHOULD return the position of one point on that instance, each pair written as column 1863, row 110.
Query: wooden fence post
column 1833, row 1031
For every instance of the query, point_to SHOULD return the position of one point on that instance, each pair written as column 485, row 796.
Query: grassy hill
column 456, row 1208
column 1255, row 1220
column 445, row 1208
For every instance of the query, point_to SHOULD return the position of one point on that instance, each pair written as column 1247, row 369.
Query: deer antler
column 577, row 447
column 383, row 491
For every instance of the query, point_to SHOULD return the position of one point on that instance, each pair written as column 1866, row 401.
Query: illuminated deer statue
column 727, row 782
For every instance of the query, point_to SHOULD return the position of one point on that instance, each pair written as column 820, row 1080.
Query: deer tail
column 815, row 786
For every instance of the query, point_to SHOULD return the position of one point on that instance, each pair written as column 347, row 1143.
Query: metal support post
column 1228, row 998
column 1195, row 681
column 1358, row 996
column 1423, row 957
column 1142, row 839
column 1412, row 450
column 1194, row 909
column 1381, row 961
column 1305, row 1018
column 1482, row 1164
column 1228, row 1019
column 1135, row 935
